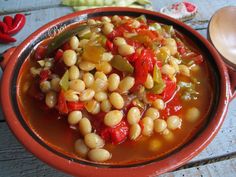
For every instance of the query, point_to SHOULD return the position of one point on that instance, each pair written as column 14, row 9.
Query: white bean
column 73, row 72
column 134, row 131
column 159, row 104
column 173, row 122
column 99, row 85
column 100, row 96
column 88, row 79
column 149, row 83
column 86, row 66
column 74, row 42
column 107, row 28
column 125, row 50
column 74, row 117
column 126, row 84
column 55, row 84
column 113, row 82
column 106, row 106
column 100, row 75
column 87, row 95
column 93, row 140
column 69, row 57
column 77, row 85
column 153, row 113
column 133, row 115
column 80, row 148
column 171, row 44
column 168, row 135
column 116, row 100
column 71, row 95
column 107, row 56
column 148, row 126
column 45, row 86
column 112, row 118
column 85, row 126
column 192, row 114
column 154, row 145
column 168, row 70
column 119, row 41
column 99, row 155
column 184, row 70
column 92, row 106
column 116, row 19
column 51, row 99
column 159, row 125
column 106, row 19
column 105, row 67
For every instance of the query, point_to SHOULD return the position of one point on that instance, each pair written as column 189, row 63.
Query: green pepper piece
column 158, row 88
column 157, row 75
column 63, row 37
column 169, row 29
column 156, row 26
column 64, row 82
column 122, row 64
column 142, row 18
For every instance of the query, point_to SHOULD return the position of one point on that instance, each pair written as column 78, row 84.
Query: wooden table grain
column 217, row 160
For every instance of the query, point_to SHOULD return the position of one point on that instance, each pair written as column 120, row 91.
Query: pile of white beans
column 105, row 91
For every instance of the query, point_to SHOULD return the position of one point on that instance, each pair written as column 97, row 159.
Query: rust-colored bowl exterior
column 154, row 168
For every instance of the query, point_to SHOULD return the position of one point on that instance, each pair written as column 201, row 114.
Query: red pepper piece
column 61, row 103
column 75, row 106
column 58, row 55
column 5, row 38
column 18, row 24
column 180, row 47
column 40, row 52
column 66, row 46
column 152, row 96
column 97, row 122
column 198, row 59
column 9, row 21
column 44, row 75
column 142, row 66
column 116, row 134
column 169, row 90
column 172, row 107
column 3, row 27
column 111, row 47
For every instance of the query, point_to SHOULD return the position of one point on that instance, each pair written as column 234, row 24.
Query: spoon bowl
column 222, row 33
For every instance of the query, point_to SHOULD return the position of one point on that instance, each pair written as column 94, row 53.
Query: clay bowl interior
column 222, row 33
column 171, row 161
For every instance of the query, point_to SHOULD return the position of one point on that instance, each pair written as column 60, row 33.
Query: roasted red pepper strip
column 61, row 103
column 9, row 21
column 58, row 55
column 5, row 38
column 172, row 107
column 75, row 106
column 3, row 27
column 143, row 65
column 40, row 52
column 116, row 134
column 170, row 89
column 44, row 75
column 18, row 24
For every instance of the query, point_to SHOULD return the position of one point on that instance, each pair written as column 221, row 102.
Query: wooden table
column 217, row 160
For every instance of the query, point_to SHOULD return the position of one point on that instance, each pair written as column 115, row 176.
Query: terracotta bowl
column 180, row 156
